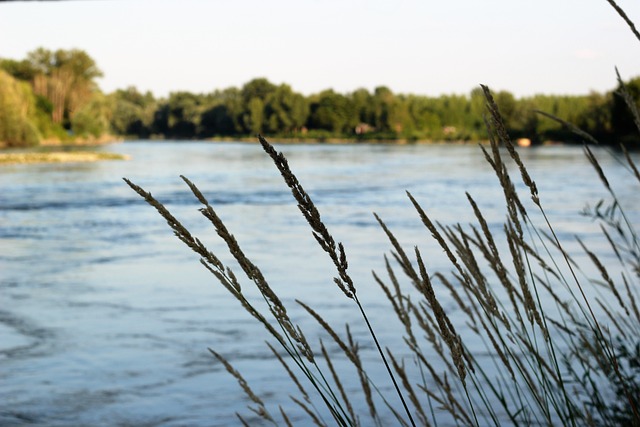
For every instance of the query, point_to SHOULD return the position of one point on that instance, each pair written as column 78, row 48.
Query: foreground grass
column 58, row 157
column 538, row 346
column 537, row 335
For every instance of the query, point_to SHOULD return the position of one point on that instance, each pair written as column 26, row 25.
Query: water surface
column 105, row 317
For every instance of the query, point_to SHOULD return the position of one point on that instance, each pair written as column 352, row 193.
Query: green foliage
column 17, row 112
column 66, row 96
column 65, row 78
column 92, row 120
column 254, row 119
column 259, row 88
column 331, row 111
column 78, row 62
column 63, row 82
column 622, row 121
column 21, row 70
column 179, row 116
column 128, row 119
column 285, row 110
column 217, row 120
column 223, row 114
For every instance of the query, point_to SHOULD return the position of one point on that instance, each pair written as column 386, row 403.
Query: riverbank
column 74, row 142
column 294, row 140
column 58, row 157
column 82, row 141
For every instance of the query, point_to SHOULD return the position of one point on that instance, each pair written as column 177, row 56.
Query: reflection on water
column 105, row 318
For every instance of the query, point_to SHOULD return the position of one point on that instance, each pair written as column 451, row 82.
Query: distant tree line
column 53, row 95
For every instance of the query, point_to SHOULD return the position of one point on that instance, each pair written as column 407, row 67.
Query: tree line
column 53, row 95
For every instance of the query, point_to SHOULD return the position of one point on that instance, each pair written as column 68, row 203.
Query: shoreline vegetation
column 521, row 142
column 52, row 98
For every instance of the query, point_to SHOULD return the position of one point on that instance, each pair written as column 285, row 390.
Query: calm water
column 105, row 317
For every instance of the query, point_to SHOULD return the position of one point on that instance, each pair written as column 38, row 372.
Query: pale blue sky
column 425, row 47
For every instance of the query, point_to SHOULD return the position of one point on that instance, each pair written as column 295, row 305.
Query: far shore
column 82, row 141
column 521, row 142
column 290, row 140
column 58, row 157
column 75, row 142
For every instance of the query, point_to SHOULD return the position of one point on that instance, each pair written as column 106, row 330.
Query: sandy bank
column 58, row 157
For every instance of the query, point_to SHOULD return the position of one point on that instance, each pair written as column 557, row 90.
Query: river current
column 106, row 317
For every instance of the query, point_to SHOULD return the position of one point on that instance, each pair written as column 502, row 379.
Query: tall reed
column 535, row 337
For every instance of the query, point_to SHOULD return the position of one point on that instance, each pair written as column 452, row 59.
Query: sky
column 425, row 47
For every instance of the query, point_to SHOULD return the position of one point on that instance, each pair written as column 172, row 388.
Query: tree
column 285, row 110
column 508, row 109
column 258, row 88
column 452, row 111
column 363, row 106
column 381, row 102
column 132, row 112
column 477, row 109
column 217, row 120
column 399, row 117
column 92, row 120
column 332, row 111
column 183, row 113
column 596, row 118
column 254, row 117
column 254, row 96
column 223, row 114
column 65, row 78
column 231, row 98
column 126, row 118
column 17, row 105
column 622, row 123
column 21, row 70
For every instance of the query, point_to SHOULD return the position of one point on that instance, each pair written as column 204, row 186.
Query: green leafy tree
column 179, row 116
column 93, row 119
column 423, row 111
column 363, row 107
column 21, row 70
column 453, row 111
column 259, row 88
column 17, row 105
column 333, row 112
column 622, row 123
column 400, row 120
column 132, row 112
column 217, row 120
column 65, row 78
column 508, row 108
column 381, row 102
column 285, row 110
column 596, row 117
column 477, row 110
column 254, row 97
column 524, row 120
column 255, row 116
column 223, row 114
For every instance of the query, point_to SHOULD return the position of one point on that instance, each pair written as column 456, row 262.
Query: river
column 106, row 317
